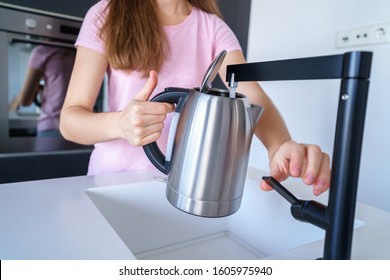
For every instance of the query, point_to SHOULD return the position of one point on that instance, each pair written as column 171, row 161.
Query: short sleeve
column 225, row 39
column 89, row 35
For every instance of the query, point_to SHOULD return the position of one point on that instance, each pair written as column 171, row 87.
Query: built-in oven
column 22, row 32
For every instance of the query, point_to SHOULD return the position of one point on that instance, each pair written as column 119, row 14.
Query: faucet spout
column 255, row 112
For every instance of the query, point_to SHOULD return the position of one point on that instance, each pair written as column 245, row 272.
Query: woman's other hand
column 304, row 161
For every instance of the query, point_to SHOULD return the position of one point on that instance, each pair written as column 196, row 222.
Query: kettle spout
column 255, row 112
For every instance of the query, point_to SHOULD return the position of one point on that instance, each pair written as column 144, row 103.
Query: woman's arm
column 287, row 158
column 140, row 123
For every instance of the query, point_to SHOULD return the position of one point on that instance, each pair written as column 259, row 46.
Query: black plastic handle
column 176, row 96
column 272, row 182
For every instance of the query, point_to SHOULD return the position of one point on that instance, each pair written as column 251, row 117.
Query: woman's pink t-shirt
column 193, row 43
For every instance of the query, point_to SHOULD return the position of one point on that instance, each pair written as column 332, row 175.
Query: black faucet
column 353, row 69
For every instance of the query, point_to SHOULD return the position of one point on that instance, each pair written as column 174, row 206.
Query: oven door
column 25, row 155
column 22, row 120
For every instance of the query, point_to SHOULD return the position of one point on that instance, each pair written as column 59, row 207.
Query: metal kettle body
column 210, row 151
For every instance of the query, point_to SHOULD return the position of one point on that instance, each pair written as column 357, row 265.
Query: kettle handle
column 176, row 96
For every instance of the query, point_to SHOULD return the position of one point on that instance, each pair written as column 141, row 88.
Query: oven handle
column 41, row 42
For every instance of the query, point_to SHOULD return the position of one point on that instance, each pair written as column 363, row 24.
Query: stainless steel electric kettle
column 208, row 147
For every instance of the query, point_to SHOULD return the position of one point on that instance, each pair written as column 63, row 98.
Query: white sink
column 153, row 229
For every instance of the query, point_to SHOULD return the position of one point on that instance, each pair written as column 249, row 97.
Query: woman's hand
column 301, row 161
column 142, row 121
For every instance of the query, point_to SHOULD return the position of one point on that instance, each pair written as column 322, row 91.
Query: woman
column 134, row 41
column 54, row 66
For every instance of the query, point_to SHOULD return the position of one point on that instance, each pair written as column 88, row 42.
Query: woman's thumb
column 148, row 88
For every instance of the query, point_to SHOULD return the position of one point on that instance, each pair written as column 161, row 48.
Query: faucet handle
column 272, row 182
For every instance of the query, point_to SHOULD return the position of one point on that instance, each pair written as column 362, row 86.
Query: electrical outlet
column 366, row 35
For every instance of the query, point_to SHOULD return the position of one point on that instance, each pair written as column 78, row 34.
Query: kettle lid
column 212, row 71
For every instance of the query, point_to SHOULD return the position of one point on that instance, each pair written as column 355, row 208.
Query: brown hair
column 135, row 38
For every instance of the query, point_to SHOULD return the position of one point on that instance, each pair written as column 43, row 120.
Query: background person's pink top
column 194, row 43
column 56, row 65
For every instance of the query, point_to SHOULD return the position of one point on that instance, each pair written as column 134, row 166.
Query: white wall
column 288, row 29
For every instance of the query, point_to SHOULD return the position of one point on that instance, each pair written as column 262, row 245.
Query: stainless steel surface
column 206, row 173
column 42, row 42
column 211, row 153
column 232, row 87
column 212, row 71
column 38, row 24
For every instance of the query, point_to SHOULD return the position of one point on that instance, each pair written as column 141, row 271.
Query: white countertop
column 55, row 219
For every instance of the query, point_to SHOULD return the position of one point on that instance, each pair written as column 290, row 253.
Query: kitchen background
column 69, row 7
column 281, row 29
column 286, row 29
